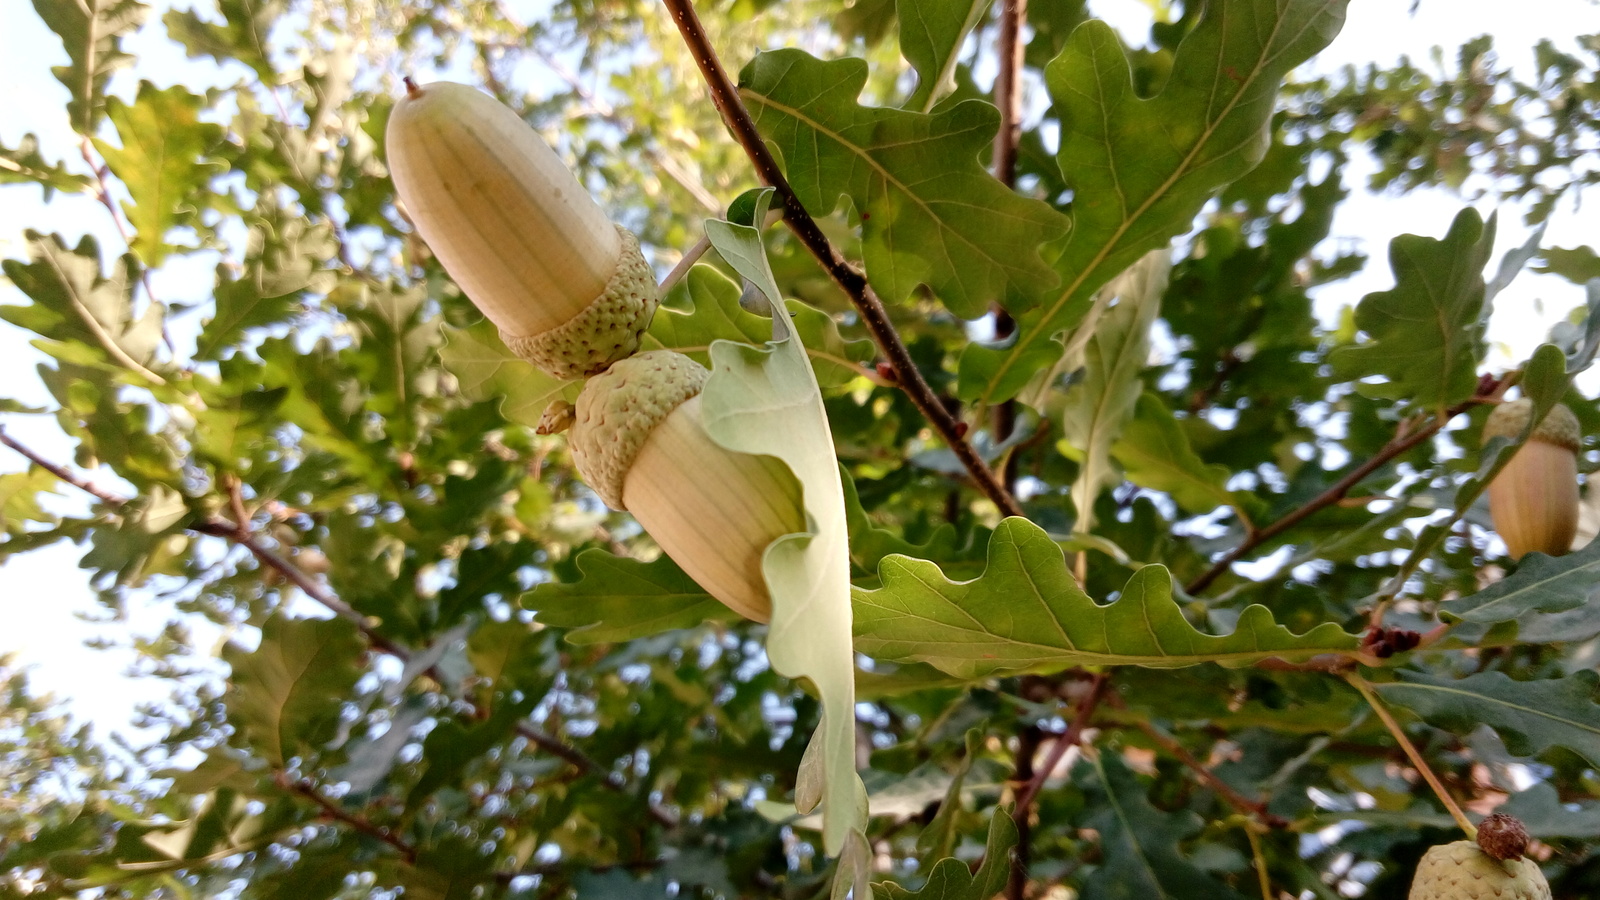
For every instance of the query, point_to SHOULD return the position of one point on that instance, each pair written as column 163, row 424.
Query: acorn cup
column 569, row 291
column 1534, row 499
column 638, row 439
column 1493, row 868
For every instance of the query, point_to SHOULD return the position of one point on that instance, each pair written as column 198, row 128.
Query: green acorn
column 1493, row 868
column 1534, row 499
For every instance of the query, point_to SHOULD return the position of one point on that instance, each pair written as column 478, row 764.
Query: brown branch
column 1023, row 772
column 1008, row 89
column 243, row 537
column 1064, row 742
column 304, row 787
column 1401, row 443
column 1257, row 808
column 873, row 315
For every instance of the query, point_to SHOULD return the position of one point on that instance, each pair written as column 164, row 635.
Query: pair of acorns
column 572, row 294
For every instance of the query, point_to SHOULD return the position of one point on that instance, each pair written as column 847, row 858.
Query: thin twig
column 1401, row 444
column 873, row 315
column 1065, row 741
column 1389, row 722
column 243, row 537
column 306, row 788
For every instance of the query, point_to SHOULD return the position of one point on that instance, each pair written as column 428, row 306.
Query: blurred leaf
column 1425, row 334
column 1140, row 169
column 25, row 165
column 931, row 35
column 1530, row 716
column 285, row 696
column 19, row 499
column 163, row 163
column 74, row 301
column 282, row 261
column 1579, row 265
column 1541, row 809
column 950, row 879
column 1026, row 613
column 91, row 31
column 1143, row 857
column 930, row 214
column 243, row 35
column 1157, row 455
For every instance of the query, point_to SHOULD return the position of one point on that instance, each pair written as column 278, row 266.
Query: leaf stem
column 1389, row 722
column 873, row 315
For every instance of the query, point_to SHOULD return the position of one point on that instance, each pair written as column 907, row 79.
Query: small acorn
column 1534, row 499
column 638, row 439
column 1493, row 868
column 569, row 291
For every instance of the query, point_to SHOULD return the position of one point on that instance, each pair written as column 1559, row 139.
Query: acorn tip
column 412, row 90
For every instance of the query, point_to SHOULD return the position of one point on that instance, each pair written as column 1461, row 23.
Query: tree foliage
column 1252, row 530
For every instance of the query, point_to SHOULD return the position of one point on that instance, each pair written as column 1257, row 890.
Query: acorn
column 1534, row 499
column 1465, row 870
column 569, row 291
column 638, row 438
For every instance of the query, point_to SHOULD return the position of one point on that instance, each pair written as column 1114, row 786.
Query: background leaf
column 1531, row 716
column 619, row 599
column 931, row 35
column 286, row 694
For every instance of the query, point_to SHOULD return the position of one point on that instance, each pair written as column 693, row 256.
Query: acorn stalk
column 639, row 439
column 1534, row 499
column 569, row 291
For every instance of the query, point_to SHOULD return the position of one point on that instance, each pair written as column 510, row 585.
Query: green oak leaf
column 1530, row 716
column 91, row 31
column 619, row 599
column 19, row 500
column 1025, row 613
column 766, row 401
column 1141, row 843
column 1546, row 815
column 930, row 213
column 479, row 360
column 1579, row 265
column 950, row 879
column 1541, row 584
column 285, row 696
column 1141, row 169
column 1098, row 405
column 1157, row 455
column 26, row 165
column 1426, row 333
column 931, row 35
column 163, row 162
column 707, row 309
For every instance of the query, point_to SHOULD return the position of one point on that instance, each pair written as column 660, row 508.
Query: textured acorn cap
column 1559, row 427
column 619, row 408
column 568, row 290
column 1461, row 871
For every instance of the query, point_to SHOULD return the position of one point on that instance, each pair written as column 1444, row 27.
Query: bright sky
column 43, row 593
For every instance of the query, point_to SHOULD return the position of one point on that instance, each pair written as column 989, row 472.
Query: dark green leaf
column 1530, row 716
column 619, row 599
column 1541, row 584
column 950, row 879
column 242, row 36
column 285, row 696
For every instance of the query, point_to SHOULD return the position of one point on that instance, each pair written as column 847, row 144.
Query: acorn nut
column 1534, row 499
column 638, row 438
column 569, row 291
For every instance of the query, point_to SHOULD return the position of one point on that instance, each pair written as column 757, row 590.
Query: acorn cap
column 1503, row 836
column 1462, row 871
column 619, row 408
column 1559, row 426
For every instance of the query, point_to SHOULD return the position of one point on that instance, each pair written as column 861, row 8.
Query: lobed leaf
column 1530, row 716
column 285, row 696
column 1026, row 613
column 619, row 599
column 1140, row 169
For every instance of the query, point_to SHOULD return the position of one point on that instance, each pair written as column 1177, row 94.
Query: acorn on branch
column 569, row 291
column 1493, row 868
column 639, row 440
column 1534, row 499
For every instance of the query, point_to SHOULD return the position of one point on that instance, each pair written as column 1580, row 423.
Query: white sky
column 42, row 593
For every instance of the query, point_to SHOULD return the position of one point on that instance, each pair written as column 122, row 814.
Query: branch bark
column 726, row 97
